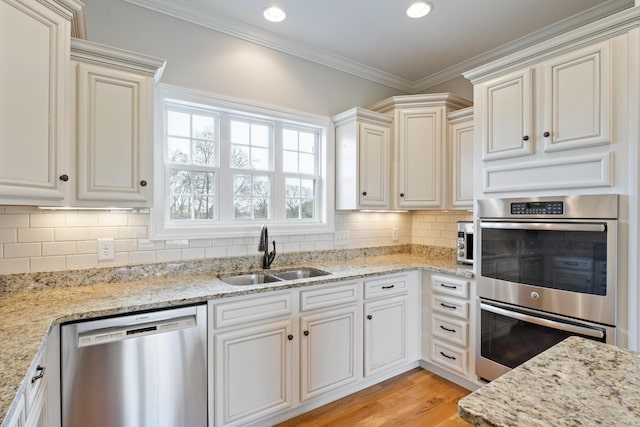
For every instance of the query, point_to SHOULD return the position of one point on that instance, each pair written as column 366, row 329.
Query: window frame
column 162, row 228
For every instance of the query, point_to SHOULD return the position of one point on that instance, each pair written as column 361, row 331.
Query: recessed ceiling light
column 274, row 14
column 419, row 9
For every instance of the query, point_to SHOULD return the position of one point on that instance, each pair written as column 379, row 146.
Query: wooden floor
column 415, row 398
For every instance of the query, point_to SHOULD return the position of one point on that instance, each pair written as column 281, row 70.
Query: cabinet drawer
column 377, row 288
column 452, row 330
column 326, row 297
column 449, row 357
column 36, row 381
column 450, row 286
column 251, row 310
column 450, row 306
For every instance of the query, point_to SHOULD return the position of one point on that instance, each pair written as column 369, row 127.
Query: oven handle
column 550, row 226
column 595, row 333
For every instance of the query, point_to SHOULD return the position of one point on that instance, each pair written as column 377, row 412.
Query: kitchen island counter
column 578, row 382
column 28, row 315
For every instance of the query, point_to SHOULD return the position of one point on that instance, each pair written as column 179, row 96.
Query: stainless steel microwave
column 465, row 242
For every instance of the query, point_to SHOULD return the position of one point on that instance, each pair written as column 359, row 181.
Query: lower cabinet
column 385, row 334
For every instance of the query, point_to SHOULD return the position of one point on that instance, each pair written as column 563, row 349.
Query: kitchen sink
column 299, row 273
column 249, row 279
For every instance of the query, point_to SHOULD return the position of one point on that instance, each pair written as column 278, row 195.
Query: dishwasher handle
column 120, row 333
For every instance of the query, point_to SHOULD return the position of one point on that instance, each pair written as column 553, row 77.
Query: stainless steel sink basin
column 299, row 273
column 249, row 279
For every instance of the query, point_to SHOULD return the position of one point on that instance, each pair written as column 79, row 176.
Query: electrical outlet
column 394, row 234
column 341, row 238
column 105, row 250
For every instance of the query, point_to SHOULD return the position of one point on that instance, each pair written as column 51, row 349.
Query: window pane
column 261, row 186
column 239, row 133
column 180, row 181
column 293, row 187
column 290, row 161
column 203, row 207
column 307, row 210
column 242, row 208
column 307, row 188
column 259, row 135
column 203, row 127
column 261, row 208
column 293, row 208
column 178, row 124
column 307, row 163
column 204, row 152
column 180, row 207
column 290, row 139
column 202, row 183
column 260, row 158
column 307, row 142
column 178, row 150
column 242, row 185
column 240, row 157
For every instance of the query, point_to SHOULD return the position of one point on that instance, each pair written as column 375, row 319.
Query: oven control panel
column 537, row 208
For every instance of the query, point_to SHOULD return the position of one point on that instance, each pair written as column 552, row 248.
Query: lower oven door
column 510, row 335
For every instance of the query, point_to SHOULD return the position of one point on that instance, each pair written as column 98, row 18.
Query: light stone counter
column 28, row 315
column 578, row 382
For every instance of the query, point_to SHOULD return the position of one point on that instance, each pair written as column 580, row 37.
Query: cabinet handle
column 389, row 287
column 401, row 194
column 447, row 329
column 546, row 134
column 525, row 138
column 452, row 307
column 64, row 177
column 290, row 337
column 369, row 316
column 364, row 193
column 306, row 333
column 447, row 356
column 143, row 183
column 41, row 370
column 448, row 286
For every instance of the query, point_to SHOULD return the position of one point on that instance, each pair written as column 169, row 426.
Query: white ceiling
column 376, row 40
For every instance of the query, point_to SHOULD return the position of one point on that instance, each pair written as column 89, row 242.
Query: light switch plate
column 341, row 238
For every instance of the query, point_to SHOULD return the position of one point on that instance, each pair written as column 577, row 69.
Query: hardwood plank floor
column 415, row 398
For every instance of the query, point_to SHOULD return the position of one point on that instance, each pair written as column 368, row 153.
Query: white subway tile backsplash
column 21, row 250
column 102, row 233
column 112, row 219
column 14, row 221
column 167, row 255
column 142, row 257
column 193, row 253
column 26, row 235
column 176, row 244
column 59, row 248
column 87, row 247
column 200, row 243
column 82, row 219
column 138, row 219
column 8, row 235
column 215, row 252
column 48, row 263
column 47, row 219
column 64, row 234
column 133, row 232
column 130, row 245
column 14, row 265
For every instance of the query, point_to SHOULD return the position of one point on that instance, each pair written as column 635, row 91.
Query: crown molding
column 197, row 15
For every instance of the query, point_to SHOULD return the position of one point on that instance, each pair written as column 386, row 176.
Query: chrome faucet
column 268, row 257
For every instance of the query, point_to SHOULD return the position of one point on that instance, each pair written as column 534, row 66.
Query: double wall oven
column 547, row 270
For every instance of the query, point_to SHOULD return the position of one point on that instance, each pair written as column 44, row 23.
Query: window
column 227, row 167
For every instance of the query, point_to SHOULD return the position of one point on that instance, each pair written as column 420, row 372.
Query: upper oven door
column 551, row 265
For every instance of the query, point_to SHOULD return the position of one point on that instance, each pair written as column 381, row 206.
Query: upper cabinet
column 461, row 157
column 420, row 154
column 34, row 50
column 363, row 159
column 114, row 92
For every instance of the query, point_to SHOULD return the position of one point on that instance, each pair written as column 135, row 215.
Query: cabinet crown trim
column 603, row 29
column 415, row 101
column 86, row 51
column 460, row 115
column 358, row 113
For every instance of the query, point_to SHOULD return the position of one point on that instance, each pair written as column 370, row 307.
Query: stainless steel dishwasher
column 143, row 370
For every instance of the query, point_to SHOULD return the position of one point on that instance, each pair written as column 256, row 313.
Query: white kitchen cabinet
column 363, row 159
column 34, row 50
column 390, row 319
column 114, row 92
column 420, row 178
column 461, row 137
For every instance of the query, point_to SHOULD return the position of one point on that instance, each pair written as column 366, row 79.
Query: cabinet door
column 114, row 144
column 252, row 372
column 328, row 351
column 420, row 137
column 577, row 99
column 374, row 165
column 385, row 334
column 506, row 105
column 34, row 50
column 461, row 135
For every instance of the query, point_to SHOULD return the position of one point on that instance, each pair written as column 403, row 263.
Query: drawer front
column 449, row 357
column 450, row 329
column 36, row 381
column 330, row 296
column 450, row 286
column 377, row 288
column 251, row 310
column 450, row 306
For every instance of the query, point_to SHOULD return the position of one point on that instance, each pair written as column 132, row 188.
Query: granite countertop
column 578, row 382
column 28, row 315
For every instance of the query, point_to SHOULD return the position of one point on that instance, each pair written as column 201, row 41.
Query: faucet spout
column 263, row 246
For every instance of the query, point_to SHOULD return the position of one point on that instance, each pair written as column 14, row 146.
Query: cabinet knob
column 369, row 316
column 364, row 193
column 290, row 337
column 143, row 183
column 64, row 177
column 525, row 138
column 401, row 194
column 306, row 333
column 36, row 377
column 546, row 134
